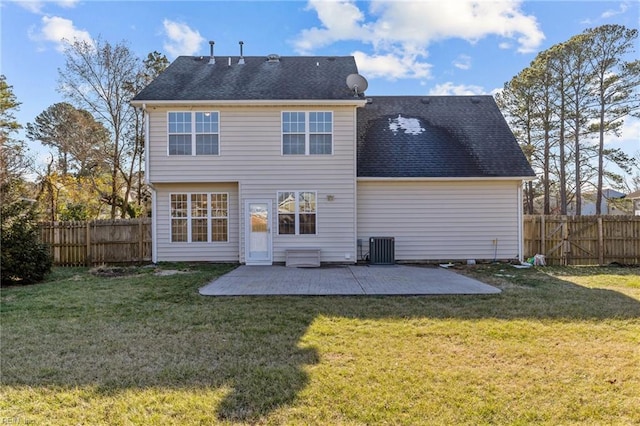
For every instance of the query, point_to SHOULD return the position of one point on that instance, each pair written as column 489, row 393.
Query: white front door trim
column 258, row 242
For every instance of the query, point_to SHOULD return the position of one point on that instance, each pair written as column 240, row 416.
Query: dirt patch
column 168, row 272
column 112, row 271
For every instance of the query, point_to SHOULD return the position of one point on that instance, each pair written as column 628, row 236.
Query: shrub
column 74, row 211
column 23, row 259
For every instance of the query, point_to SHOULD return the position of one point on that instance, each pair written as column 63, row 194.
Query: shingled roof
column 193, row 78
column 437, row 136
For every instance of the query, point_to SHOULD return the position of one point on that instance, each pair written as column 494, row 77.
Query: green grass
column 558, row 346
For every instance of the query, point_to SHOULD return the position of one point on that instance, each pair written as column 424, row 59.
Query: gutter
column 446, row 179
column 249, row 102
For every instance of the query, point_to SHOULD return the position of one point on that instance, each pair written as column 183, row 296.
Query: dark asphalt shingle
column 437, row 136
column 398, row 136
column 191, row 78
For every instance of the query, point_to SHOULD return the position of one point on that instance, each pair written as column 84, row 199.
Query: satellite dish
column 357, row 83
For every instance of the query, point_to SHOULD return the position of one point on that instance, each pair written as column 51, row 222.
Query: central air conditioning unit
column 382, row 251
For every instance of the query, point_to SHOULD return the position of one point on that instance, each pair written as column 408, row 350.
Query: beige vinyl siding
column 441, row 220
column 250, row 147
column 251, row 155
column 335, row 219
column 195, row 251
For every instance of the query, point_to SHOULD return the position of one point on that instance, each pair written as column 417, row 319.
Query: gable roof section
column 437, row 136
column 193, row 78
column 634, row 195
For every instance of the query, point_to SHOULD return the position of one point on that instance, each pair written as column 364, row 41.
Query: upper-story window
column 307, row 133
column 194, row 133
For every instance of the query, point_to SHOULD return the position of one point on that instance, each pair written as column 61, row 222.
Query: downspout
column 146, row 143
column 154, row 237
column 355, row 185
column 520, row 218
column 154, row 202
column 242, row 227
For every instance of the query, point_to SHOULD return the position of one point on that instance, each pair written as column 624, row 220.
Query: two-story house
column 249, row 157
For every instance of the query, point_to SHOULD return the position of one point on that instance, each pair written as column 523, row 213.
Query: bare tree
column 95, row 78
column 153, row 65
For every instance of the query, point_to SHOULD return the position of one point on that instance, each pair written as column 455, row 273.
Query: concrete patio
column 352, row 280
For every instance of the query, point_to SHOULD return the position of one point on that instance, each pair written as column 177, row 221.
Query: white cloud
column 36, row 6
column 342, row 20
column 182, row 40
column 31, row 6
column 391, row 66
column 427, row 21
column 630, row 134
column 462, row 62
column 624, row 6
column 449, row 88
column 67, row 3
column 60, row 31
column 405, row 29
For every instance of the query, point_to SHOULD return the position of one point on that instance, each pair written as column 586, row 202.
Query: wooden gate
column 583, row 240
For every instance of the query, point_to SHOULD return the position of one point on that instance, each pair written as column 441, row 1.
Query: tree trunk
column 546, row 184
column 577, row 161
column 114, row 174
column 600, row 159
column 563, row 162
column 529, row 208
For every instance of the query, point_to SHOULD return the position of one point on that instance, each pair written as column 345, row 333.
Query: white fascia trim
column 444, row 179
column 252, row 102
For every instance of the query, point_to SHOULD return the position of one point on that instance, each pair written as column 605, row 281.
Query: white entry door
column 258, row 232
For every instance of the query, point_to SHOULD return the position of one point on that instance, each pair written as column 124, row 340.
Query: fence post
column 140, row 240
column 543, row 234
column 566, row 244
column 87, row 257
column 600, row 242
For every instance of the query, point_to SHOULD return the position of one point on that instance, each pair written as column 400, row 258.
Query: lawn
column 141, row 346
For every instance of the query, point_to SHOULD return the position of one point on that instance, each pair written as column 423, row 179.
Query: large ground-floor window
column 200, row 217
column 297, row 212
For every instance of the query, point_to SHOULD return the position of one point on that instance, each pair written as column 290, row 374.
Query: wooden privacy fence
column 583, row 240
column 77, row 243
column 564, row 240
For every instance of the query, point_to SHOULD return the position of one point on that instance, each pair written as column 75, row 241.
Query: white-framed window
column 307, row 132
column 200, row 217
column 193, row 133
column 297, row 212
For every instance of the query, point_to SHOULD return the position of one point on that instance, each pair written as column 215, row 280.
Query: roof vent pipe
column 241, row 60
column 212, row 60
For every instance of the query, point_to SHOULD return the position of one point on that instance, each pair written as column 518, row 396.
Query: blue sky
column 401, row 47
